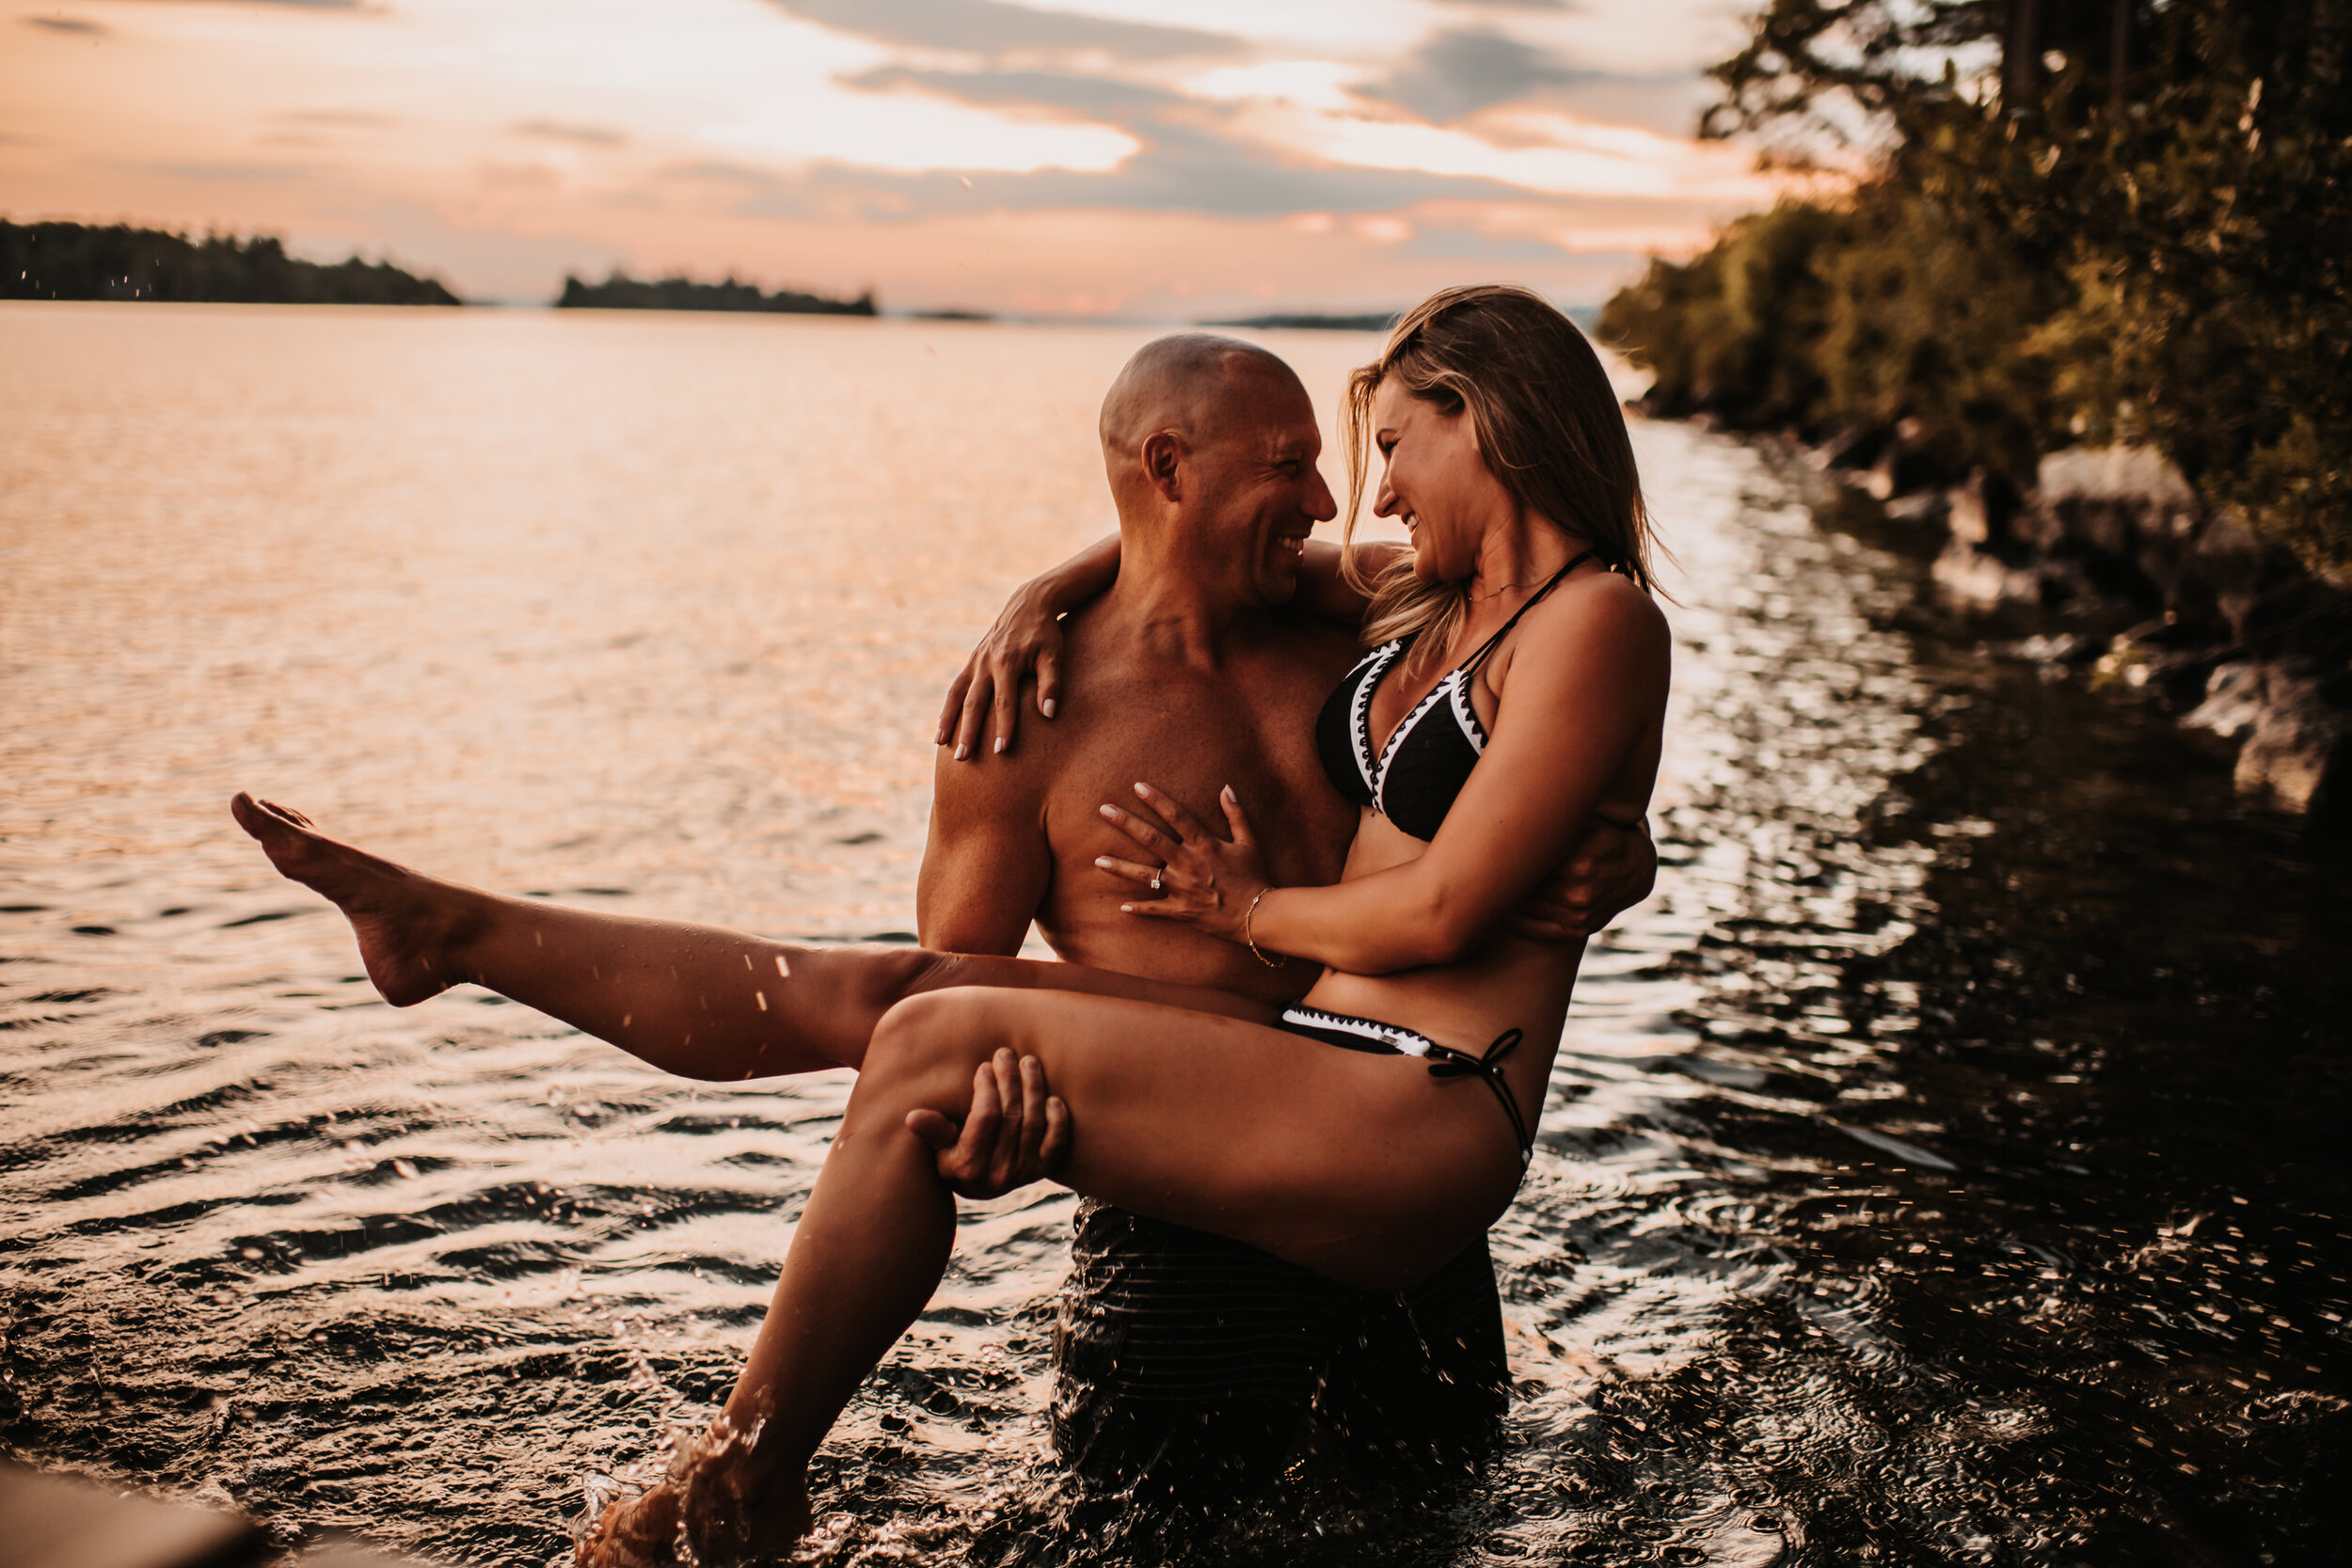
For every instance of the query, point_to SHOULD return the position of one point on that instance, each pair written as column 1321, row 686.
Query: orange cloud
column 1089, row 157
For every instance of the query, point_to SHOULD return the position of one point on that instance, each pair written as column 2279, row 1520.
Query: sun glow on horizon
column 1139, row 155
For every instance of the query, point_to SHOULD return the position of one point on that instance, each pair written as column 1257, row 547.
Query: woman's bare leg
column 1359, row 1165
column 700, row 1001
column 695, row 1000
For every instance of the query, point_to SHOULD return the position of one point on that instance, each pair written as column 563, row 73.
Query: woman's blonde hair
column 1549, row 425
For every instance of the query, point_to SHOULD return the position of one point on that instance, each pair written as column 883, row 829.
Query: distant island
column 621, row 292
column 1585, row 316
column 74, row 261
column 1378, row 320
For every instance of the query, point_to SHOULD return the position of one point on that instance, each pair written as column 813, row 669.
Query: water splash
column 1938, row 1169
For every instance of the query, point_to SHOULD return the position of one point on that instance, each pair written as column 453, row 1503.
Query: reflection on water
column 1943, row 1168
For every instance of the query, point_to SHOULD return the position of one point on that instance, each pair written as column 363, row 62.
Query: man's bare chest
column 1193, row 735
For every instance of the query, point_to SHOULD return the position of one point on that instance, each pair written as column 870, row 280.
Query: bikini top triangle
column 1413, row 780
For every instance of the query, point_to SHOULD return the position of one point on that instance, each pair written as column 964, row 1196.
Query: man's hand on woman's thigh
column 1016, row 1132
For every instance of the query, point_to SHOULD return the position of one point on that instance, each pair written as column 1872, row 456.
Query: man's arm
column 1324, row 591
column 987, row 865
column 985, row 871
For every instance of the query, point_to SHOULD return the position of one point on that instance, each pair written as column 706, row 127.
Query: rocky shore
column 2155, row 595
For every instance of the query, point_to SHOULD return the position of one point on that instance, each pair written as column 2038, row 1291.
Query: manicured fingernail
column 1111, row 812
column 1144, row 790
column 1000, row 745
column 1228, row 794
column 962, row 751
column 1126, row 909
column 1102, row 860
column 1047, row 708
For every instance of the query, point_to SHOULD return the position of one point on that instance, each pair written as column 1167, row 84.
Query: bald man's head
column 1210, row 444
column 1193, row 384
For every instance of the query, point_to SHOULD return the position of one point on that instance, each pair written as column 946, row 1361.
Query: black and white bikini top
column 1414, row 779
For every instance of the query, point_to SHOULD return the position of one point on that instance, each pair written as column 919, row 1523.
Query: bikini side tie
column 1450, row 1063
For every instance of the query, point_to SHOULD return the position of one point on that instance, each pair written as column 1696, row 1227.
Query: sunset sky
column 1144, row 159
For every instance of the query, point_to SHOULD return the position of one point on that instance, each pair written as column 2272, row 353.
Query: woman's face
column 1435, row 481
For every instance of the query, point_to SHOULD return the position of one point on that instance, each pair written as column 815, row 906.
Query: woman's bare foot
column 730, row 1530
column 407, row 923
column 633, row 1533
column 709, row 1496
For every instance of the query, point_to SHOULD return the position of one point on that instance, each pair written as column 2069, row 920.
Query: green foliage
column 1732, row 333
column 72, row 261
column 1922, row 329
column 1826, row 71
column 2140, row 233
column 2213, row 299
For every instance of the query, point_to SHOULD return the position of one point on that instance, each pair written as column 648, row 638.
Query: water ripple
column 1937, row 1170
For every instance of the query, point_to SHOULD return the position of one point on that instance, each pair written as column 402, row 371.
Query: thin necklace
column 1483, row 598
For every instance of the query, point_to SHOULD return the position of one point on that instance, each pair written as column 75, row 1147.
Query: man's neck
column 1168, row 609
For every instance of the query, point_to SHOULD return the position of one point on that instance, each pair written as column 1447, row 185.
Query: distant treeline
column 1378, row 321
column 1370, row 321
column 74, row 261
column 2138, row 228
column 621, row 292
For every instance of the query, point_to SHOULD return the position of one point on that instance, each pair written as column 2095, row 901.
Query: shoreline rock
column 2293, row 718
column 2164, row 595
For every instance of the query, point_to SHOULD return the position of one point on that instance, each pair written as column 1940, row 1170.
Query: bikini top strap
column 1553, row 581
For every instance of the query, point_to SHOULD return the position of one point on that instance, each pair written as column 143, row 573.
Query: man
column 1177, row 1351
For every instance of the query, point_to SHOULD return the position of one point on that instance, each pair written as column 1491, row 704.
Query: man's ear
column 1163, row 454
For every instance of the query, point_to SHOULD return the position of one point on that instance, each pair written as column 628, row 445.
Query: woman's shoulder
column 1596, row 615
column 1602, row 599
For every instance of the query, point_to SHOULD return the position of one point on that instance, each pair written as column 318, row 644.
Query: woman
column 1518, row 689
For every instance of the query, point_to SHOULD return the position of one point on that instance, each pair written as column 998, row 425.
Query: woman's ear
column 1465, row 419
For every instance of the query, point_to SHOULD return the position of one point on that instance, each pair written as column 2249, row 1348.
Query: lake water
column 1944, row 1167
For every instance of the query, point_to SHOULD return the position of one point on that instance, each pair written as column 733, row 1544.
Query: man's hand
column 1610, row 869
column 1016, row 1132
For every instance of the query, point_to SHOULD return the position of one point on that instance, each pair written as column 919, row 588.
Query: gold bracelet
column 1249, row 915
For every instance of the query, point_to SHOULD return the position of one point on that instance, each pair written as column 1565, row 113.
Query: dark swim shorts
column 1185, row 1358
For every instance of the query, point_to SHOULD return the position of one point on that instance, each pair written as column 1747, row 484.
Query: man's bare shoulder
column 1093, row 627
column 1315, row 641
column 1000, row 785
column 1115, row 687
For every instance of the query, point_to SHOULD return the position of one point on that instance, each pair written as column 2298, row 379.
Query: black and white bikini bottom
column 1390, row 1040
